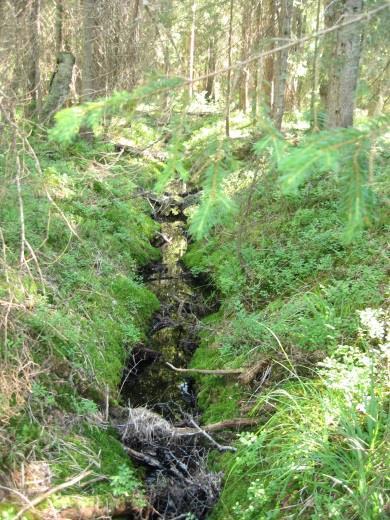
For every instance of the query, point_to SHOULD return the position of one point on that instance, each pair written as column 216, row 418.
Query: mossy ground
column 80, row 306
column 290, row 289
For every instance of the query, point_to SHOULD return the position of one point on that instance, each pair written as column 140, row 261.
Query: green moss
column 87, row 305
column 217, row 397
column 9, row 511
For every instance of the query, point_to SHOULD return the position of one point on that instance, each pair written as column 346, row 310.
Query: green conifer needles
column 348, row 153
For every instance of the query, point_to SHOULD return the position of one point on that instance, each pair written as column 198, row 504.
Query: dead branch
column 216, row 372
column 245, row 375
column 69, row 483
column 251, row 372
column 148, row 460
column 219, row 447
column 228, row 424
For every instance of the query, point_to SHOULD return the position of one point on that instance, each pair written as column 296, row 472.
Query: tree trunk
column 344, row 67
column 229, row 74
column 267, row 88
column 258, row 66
column 59, row 85
column 133, row 58
column 89, row 7
column 59, row 25
column 243, row 83
column 281, row 65
column 313, row 97
column 380, row 91
column 191, row 60
column 34, row 75
column 211, row 64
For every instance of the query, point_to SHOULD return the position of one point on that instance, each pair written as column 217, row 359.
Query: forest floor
column 284, row 294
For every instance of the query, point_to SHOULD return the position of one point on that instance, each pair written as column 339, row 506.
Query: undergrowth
column 73, row 305
column 290, row 278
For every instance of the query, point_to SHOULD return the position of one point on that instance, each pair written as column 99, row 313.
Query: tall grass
column 323, row 453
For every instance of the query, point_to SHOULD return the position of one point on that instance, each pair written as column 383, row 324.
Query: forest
column 194, row 290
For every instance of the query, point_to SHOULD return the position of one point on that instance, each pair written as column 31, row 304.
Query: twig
column 21, row 211
column 213, row 441
column 52, row 491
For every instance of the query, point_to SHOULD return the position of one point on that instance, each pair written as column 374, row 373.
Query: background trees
column 118, row 44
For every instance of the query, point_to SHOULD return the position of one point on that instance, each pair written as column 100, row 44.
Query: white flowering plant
column 323, row 453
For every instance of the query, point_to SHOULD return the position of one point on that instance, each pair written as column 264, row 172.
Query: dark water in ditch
column 177, row 478
column 173, row 337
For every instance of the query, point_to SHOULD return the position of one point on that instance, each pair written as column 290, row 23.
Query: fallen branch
column 213, row 441
column 251, row 372
column 144, row 458
column 228, row 424
column 245, row 375
column 69, row 483
column 217, row 372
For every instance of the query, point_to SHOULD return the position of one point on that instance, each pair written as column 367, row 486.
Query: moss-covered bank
column 74, row 309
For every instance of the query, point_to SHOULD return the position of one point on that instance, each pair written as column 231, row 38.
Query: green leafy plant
column 125, row 482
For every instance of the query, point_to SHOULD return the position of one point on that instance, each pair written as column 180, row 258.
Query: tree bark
column 344, row 67
column 89, row 7
column 59, row 25
column 229, row 74
column 243, row 83
column 313, row 97
column 34, row 74
column 267, row 88
column 211, row 64
column 133, row 58
column 281, row 65
column 191, row 60
column 59, row 85
column 258, row 66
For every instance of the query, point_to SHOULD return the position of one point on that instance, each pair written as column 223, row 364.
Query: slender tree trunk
column 34, row 74
column 191, row 60
column 133, row 58
column 281, row 66
column 380, row 91
column 229, row 74
column 59, row 25
column 344, row 66
column 211, row 64
column 258, row 65
column 267, row 87
column 245, row 44
column 89, row 8
column 313, row 100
